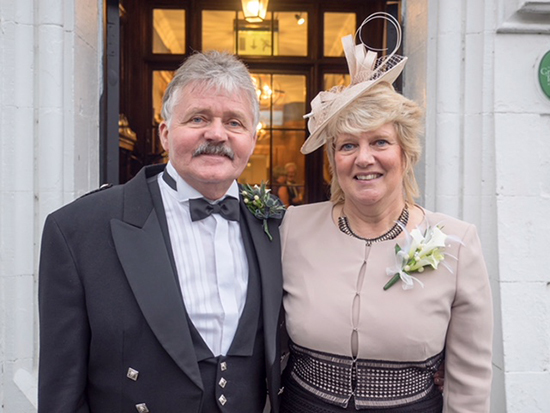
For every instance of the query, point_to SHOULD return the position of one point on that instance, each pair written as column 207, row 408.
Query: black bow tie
column 228, row 208
column 200, row 208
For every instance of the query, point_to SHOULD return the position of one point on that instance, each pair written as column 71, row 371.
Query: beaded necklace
column 394, row 231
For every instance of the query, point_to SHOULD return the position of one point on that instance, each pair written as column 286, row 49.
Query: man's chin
column 215, row 176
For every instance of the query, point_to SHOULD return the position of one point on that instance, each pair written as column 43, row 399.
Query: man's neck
column 210, row 191
column 213, row 193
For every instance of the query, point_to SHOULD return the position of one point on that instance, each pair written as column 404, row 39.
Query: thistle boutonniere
column 421, row 251
column 262, row 204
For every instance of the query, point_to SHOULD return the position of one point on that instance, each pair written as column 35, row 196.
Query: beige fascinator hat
column 366, row 70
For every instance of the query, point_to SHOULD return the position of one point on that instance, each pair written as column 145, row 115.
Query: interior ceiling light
column 299, row 19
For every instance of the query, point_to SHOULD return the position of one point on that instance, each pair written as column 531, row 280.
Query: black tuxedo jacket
column 114, row 331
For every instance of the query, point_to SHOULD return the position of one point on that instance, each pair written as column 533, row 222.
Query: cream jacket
column 325, row 270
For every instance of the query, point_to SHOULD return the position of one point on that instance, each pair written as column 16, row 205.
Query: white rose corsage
column 421, row 251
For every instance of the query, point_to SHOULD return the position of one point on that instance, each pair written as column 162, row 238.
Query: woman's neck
column 373, row 220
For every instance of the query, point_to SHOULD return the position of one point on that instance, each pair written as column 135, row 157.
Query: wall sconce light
column 255, row 10
column 299, row 19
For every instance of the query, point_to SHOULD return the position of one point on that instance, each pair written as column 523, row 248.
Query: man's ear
column 255, row 139
column 163, row 135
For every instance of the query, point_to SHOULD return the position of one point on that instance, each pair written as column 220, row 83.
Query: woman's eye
column 347, row 147
column 381, row 142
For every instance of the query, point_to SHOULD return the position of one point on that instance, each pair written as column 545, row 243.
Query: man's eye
column 235, row 123
column 196, row 119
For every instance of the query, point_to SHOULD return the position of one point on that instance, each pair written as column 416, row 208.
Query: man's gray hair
column 219, row 71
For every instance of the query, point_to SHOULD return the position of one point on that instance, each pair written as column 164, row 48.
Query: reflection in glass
column 337, row 25
column 331, row 80
column 288, row 166
column 281, row 131
column 292, row 33
column 259, row 38
column 292, row 92
column 161, row 79
column 218, row 30
column 281, row 34
column 169, row 31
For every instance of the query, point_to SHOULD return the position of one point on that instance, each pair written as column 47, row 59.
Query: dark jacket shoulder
column 109, row 200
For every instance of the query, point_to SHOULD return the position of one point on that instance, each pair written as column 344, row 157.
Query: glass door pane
column 292, row 33
column 168, row 31
column 288, row 172
column 161, row 79
column 259, row 38
column 218, row 30
column 281, row 133
column 337, row 25
column 281, row 34
column 331, row 80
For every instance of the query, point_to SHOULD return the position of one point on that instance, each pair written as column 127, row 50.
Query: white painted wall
column 473, row 65
column 522, row 149
column 50, row 72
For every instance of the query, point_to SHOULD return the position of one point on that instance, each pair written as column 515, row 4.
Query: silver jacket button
column 142, row 408
column 132, row 374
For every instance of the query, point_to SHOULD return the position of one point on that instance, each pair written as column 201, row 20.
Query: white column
column 17, row 226
column 450, row 72
column 50, row 75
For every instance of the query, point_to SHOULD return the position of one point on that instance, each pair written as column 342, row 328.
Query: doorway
column 292, row 54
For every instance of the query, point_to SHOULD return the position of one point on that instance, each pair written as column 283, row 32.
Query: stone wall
column 50, row 76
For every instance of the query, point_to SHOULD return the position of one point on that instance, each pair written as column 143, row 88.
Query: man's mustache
column 209, row 148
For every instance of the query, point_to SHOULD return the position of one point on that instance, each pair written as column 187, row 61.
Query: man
column 294, row 193
column 163, row 295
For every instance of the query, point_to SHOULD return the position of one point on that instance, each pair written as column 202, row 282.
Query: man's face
column 291, row 173
column 210, row 138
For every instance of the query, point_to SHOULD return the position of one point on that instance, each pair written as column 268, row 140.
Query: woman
column 356, row 340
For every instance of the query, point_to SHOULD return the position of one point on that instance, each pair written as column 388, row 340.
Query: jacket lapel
column 269, row 261
column 145, row 257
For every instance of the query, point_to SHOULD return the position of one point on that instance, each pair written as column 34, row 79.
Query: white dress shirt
column 211, row 263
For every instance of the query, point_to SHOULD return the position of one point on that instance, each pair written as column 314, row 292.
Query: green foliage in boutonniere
column 262, row 204
column 420, row 251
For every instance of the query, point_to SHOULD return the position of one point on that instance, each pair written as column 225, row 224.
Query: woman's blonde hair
column 378, row 106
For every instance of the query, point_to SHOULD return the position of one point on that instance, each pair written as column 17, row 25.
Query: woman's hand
column 439, row 377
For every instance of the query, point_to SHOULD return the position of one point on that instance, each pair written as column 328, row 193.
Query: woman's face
column 369, row 166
